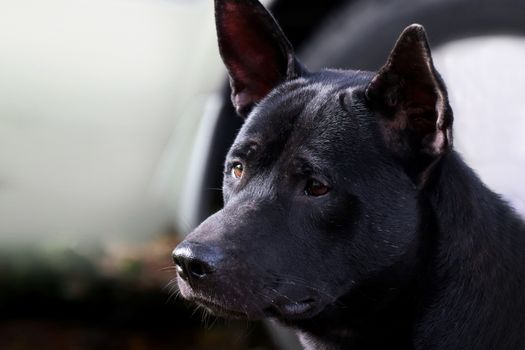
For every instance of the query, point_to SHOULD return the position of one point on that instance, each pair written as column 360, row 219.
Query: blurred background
column 114, row 122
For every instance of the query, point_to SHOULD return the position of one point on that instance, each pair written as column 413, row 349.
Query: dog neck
column 479, row 265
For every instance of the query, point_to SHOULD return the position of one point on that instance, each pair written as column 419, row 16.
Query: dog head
column 321, row 184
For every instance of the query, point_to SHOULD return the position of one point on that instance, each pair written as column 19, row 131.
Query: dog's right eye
column 316, row 188
column 237, row 170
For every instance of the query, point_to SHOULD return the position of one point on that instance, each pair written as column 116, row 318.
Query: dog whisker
column 168, row 268
column 214, row 189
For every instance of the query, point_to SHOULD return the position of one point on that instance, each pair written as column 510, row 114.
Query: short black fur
column 347, row 214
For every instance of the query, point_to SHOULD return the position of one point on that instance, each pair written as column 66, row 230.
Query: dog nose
column 195, row 261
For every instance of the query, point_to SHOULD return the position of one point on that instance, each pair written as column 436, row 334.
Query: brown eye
column 237, row 170
column 316, row 188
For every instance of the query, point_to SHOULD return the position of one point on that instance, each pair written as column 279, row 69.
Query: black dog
column 347, row 214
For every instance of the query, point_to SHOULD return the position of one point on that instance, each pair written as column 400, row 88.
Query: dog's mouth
column 290, row 310
column 277, row 306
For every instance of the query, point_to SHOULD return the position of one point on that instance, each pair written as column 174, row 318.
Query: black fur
column 406, row 249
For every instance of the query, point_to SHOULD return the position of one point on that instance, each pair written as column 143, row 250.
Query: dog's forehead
column 304, row 106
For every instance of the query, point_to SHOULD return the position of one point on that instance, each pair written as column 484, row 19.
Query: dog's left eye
column 316, row 188
column 237, row 170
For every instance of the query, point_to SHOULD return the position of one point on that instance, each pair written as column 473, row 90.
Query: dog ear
column 254, row 49
column 411, row 99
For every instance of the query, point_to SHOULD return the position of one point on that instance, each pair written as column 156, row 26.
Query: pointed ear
column 254, row 49
column 411, row 99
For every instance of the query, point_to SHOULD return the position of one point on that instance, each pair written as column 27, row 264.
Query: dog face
column 321, row 184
